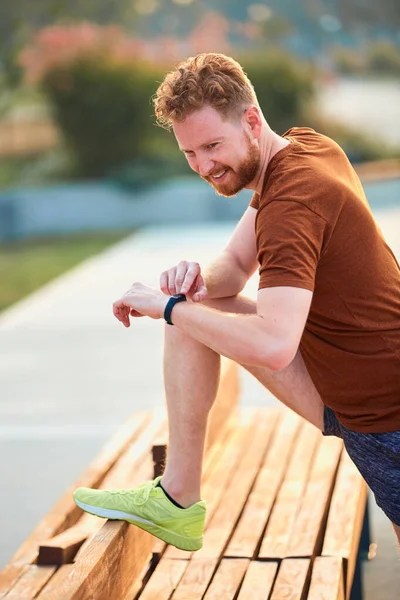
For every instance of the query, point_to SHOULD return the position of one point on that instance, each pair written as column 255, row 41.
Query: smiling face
column 225, row 153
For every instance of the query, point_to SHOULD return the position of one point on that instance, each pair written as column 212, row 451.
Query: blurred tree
column 283, row 86
column 384, row 58
column 20, row 19
column 380, row 58
column 348, row 60
column 369, row 12
column 99, row 84
column 276, row 28
column 210, row 34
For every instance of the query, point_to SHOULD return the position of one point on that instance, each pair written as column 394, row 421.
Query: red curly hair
column 206, row 79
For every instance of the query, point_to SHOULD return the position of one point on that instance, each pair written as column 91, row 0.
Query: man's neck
column 270, row 144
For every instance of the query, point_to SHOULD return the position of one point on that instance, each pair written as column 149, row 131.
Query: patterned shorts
column 377, row 457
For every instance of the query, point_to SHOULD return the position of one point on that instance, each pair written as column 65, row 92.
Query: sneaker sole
column 179, row 541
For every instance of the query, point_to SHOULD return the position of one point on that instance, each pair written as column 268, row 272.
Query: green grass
column 26, row 266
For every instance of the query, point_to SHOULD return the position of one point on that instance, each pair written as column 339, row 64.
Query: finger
column 116, row 311
column 199, row 289
column 180, row 275
column 171, row 281
column 121, row 311
column 124, row 316
column 192, row 273
column 200, row 295
column 164, row 282
column 135, row 313
column 196, row 285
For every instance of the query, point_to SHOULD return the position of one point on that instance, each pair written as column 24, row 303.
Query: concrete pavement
column 70, row 374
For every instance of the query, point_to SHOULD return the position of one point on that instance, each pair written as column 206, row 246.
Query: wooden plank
column 88, row 541
column 84, row 558
column 65, row 546
column 133, row 469
column 53, row 585
column 111, row 567
column 276, row 539
column 225, row 403
column 232, row 454
column 164, row 580
column 223, row 466
column 227, row 579
column 258, row 507
column 61, row 549
column 124, row 471
column 327, row 579
column 159, row 455
column 31, row 583
column 237, row 490
column 224, row 455
column 68, row 545
column 293, row 579
column 200, row 570
column 160, row 547
column 65, row 512
column 211, row 461
column 222, row 411
column 345, row 519
column 258, row 581
column 195, row 580
column 123, row 553
column 307, row 534
column 213, row 453
column 138, row 587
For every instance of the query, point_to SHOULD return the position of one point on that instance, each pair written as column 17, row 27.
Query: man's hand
column 186, row 278
column 140, row 301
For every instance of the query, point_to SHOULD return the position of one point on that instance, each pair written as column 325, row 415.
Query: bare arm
column 268, row 339
column 229, row 272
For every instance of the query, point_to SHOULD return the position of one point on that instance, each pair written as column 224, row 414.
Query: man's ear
column 253, row 121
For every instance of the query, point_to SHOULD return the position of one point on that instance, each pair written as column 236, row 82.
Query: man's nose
column 205, row 166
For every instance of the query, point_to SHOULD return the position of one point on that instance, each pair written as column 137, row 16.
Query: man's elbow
column 278, row 358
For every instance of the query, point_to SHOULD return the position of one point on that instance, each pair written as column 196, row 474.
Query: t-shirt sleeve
column 255, row 201
column 290, row 238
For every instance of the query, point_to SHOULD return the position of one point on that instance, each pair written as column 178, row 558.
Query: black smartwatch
column 170, row 305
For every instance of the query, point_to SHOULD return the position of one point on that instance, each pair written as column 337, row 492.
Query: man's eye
column 212, row 145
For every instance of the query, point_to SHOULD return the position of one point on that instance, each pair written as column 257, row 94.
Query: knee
column 174, row 333
column 175, row 338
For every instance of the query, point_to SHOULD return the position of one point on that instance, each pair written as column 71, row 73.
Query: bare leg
column 397, row 531
column 191, row 375
column 191, row 378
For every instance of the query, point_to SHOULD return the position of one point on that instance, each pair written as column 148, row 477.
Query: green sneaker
column 148, row 507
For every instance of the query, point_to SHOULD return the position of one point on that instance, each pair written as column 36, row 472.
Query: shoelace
column 142, row 493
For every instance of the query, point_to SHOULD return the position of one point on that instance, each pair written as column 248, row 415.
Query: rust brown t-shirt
column 315, row 230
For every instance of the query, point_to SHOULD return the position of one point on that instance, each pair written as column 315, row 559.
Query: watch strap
column 170, row 305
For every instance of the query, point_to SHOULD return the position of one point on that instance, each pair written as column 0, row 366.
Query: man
column 324, row 333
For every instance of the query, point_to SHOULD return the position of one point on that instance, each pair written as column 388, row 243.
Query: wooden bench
column 285, row 515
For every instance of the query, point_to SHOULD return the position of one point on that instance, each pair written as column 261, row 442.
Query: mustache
column 216, row 172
